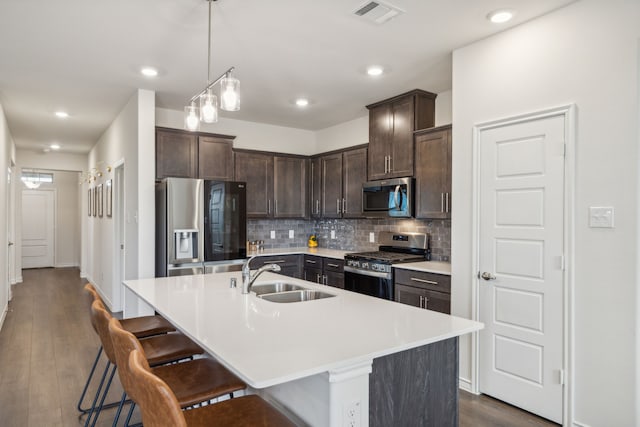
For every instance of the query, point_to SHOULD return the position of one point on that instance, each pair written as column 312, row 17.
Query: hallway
column 47, row 346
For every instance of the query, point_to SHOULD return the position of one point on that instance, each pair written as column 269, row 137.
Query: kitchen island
column 345, row 360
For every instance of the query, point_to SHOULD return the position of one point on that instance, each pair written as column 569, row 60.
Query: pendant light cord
column 209, row 46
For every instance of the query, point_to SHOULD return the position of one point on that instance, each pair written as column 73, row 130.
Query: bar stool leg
column 104, row 395
column 86, row 386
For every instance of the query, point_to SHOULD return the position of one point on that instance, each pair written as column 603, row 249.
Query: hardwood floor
column 47, row 346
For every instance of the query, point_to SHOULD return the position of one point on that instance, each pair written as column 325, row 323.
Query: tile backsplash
column 350, row 234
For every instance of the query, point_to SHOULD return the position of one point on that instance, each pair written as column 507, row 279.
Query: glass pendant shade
column 191, row 119
column 208, row 107
column 230, row 94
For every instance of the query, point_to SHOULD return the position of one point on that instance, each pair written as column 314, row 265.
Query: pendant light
column 208, row 101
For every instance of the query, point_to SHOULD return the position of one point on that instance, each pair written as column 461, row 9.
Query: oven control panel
column 369, row 265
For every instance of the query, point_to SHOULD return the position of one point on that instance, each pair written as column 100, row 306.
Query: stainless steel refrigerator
column 199, row 223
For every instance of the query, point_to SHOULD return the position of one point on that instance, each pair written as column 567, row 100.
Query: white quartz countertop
column 267, row 343
column 427, row 267
column 327, row 253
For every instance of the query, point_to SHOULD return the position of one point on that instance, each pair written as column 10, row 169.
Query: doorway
column 119, row 230
column 521, row 252
column 38, row 212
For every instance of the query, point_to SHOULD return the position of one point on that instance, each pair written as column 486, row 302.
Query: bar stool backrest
column 157, row 402
column 124, row 343
column 101, row 317
column 92, row 295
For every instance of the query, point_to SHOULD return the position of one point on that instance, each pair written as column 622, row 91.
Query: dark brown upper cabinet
column 391, row 126
column 183, row 154
column 276, row 185
column 433, row 173
column 176, row 154
column 215, row 158
column 336, row 183
column 290, row 188
column 256, row 169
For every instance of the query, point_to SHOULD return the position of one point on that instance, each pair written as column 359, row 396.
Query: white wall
column 129, row 139
column 249, row 135
column 7, row 152
column 51, row 160
column 587, row 54
column 356, row 132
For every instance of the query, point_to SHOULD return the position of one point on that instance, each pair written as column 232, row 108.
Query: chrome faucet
column 248, row 278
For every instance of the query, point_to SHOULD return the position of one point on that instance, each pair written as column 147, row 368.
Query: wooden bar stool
column 160, row 349
column 160, row 408
column 193, row 382
column 141, row 327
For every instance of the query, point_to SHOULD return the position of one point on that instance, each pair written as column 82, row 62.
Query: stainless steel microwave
column 391, row 198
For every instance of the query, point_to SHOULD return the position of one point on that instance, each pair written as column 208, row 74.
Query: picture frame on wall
column 90, row 202
column 108, row 200
column 95, row 201
column 99, row 205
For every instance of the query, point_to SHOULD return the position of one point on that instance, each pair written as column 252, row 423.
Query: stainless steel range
column 371, row 272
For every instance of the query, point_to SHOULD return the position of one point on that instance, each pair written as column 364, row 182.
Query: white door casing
column 38, row 212
column 521, row 248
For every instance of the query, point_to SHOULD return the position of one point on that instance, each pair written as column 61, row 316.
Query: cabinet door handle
column 390, row 164
column 324, row 279
column 337, row 205
column 426, row 303
column 310, row 261
column 318, row 207
column 318, row 278
column 269, row 207
column 441, row 202
column 276, row 203
column 446, row 200
column 421, row 301
column 333, row 265
column 344, row 206
column 429, row 282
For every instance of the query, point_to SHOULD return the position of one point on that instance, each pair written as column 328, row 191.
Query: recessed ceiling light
column 302, row 102
column 55, row 146
column 500, row 16
column 62, row 114
column 375, row 70
column 149, row 72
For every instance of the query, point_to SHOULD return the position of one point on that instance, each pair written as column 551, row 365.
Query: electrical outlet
column 291, row 234
column 372, row 237
column 333, row 234
column 273, row 234
column 352, row 414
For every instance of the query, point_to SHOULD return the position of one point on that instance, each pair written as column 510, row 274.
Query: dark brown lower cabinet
column 325, row 271
column 424, row 290
column 290, row 265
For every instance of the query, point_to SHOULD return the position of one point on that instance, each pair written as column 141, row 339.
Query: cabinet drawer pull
column 311, row 262
column 280, row 261
column 430, row 282
column 334, row 265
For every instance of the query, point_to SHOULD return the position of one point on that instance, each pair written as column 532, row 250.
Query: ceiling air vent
column 377, row 12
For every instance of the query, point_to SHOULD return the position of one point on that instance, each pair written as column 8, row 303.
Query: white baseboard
column 83, row 275
column 579, row 424
column 4, row 315
column 19, row 279
column 66, row 265
column 465, row 384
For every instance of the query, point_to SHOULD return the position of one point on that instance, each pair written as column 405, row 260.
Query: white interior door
column 37, row 228
column 521, row 248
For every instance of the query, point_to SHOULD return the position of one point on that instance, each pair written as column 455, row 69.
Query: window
column 33, row 179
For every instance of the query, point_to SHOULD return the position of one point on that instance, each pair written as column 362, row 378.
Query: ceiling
column 84, row 57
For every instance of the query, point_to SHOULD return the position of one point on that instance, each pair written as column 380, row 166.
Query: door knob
column 488, row 276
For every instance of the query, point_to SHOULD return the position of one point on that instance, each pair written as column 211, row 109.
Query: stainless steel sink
column 275, row 287
column 296, row 296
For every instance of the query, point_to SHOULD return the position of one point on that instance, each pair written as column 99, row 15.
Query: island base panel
column 417, row 387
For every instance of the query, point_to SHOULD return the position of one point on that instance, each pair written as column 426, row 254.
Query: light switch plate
column 273, row 234
column 372, row 237
column 291, row 234
column 601, row 217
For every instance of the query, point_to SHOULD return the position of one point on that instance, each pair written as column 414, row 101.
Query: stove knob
column 365, row 265
column 375, row 267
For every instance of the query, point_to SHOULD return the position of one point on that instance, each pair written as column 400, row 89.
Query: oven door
column 369, row 283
